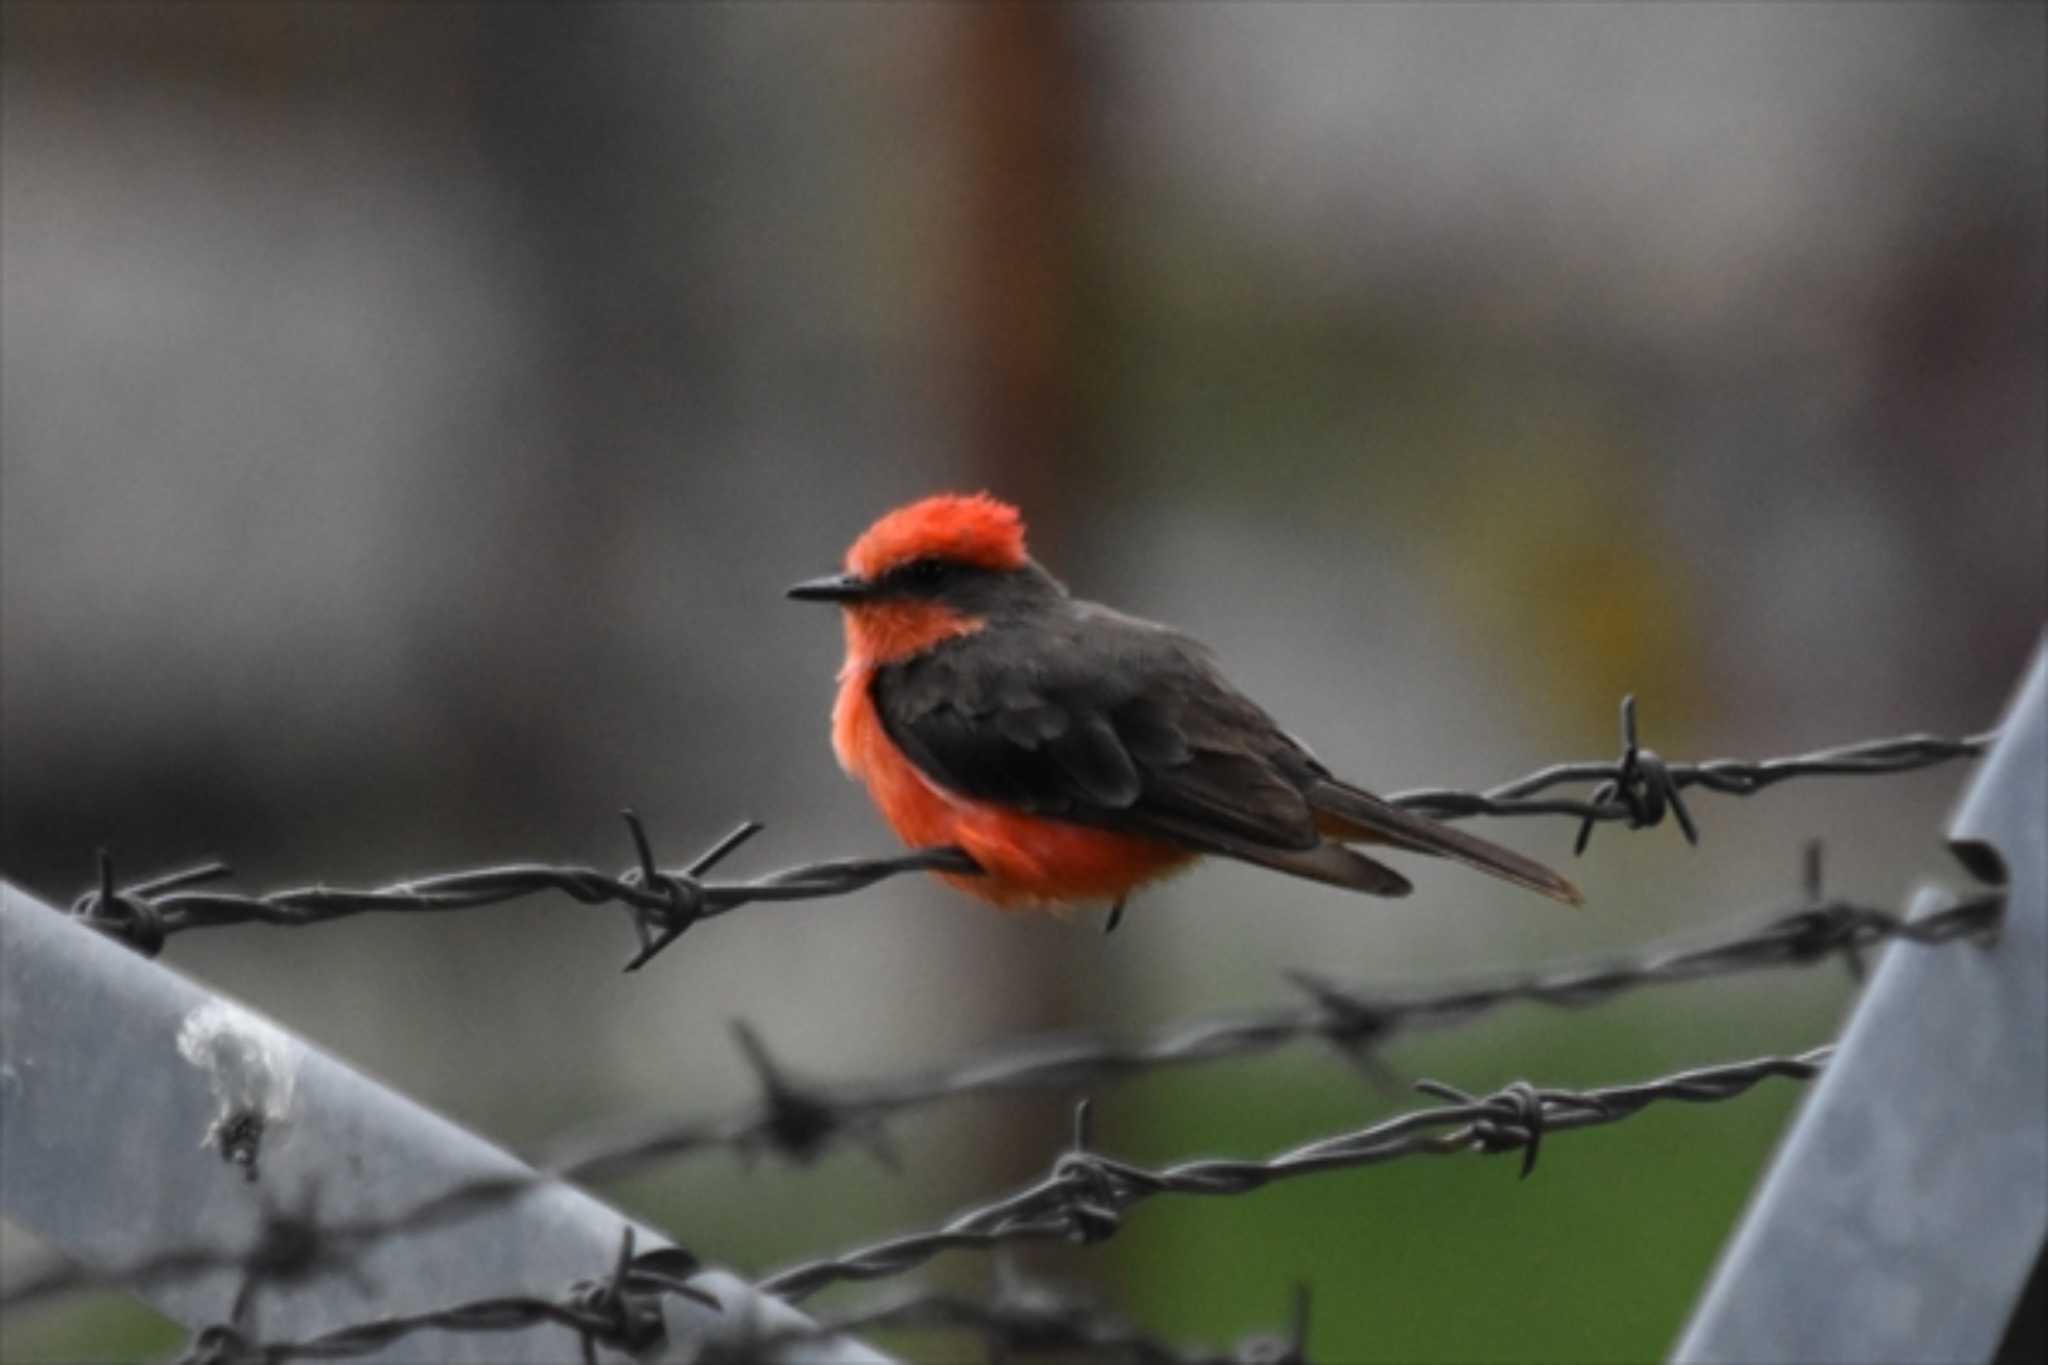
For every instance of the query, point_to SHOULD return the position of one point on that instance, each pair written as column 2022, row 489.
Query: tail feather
column 1328, row 862
column 1345, row 812
column 1331, row 863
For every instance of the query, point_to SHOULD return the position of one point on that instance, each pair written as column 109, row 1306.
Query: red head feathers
column 973, row 528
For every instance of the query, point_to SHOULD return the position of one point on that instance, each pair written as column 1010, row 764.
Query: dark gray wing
column 1088, row 715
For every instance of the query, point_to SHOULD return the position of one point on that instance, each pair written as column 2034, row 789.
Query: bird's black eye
column 926, row 573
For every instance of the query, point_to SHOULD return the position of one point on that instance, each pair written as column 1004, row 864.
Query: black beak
column 838, row 587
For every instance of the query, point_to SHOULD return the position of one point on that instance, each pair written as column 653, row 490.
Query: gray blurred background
column 409, row 418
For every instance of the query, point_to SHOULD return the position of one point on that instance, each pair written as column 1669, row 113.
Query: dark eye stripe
column 923, row 573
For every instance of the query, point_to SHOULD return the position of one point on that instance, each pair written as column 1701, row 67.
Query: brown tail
column 1328, row 862
column 1345, row 812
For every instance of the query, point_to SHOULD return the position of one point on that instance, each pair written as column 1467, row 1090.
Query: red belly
column 1027, row 860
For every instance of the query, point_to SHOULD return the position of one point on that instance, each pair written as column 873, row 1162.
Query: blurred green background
column 410, row 416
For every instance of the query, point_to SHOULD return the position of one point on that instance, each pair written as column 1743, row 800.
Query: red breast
column 1027, row 861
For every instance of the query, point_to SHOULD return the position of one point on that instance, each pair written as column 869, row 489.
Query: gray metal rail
column 117, row 1075
column 1906, row 1209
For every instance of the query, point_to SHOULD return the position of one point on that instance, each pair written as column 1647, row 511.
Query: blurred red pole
column 1016, row 97
column 1019, row 95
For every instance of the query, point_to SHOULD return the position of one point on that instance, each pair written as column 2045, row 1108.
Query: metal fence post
column 115, row 1076
column 1908, row 1205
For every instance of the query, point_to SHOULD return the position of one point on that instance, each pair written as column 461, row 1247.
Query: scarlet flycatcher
column 1074, row 752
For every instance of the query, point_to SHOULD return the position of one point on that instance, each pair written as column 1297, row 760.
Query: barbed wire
column 798, row 1119
column 624, row 1311
column 621, row 1310
column 1083, row 1197
column 1639, row 788
column 1081, row 1200
column 291, row 1243
column 662, row 904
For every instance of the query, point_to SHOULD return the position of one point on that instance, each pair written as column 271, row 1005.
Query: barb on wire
column 625, row 1312
column 1083, row 1197
column 290, row 1244
column 798, row 1120
column 662, row 904
column 621, row 1310
column 1639, row 788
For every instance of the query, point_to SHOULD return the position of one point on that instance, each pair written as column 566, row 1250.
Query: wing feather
column 1083, row 714
column 1104, row 720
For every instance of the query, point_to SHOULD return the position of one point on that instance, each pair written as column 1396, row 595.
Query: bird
column 1075, row 753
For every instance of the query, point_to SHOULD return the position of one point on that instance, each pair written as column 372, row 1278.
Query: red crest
column 972, row 528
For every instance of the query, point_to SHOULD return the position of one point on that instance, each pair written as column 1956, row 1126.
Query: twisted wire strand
column 1081, row 1199
column 1084, row 1195
column 662, row 904
column 1033, row 1318
column 798, row 1120
column 1640, row 788
column 621, row 1310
